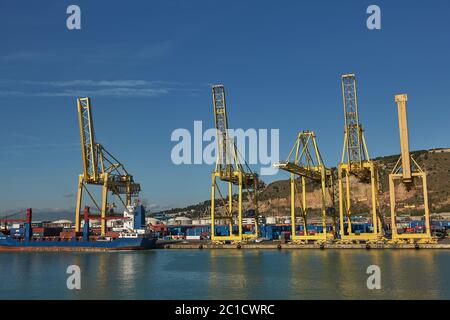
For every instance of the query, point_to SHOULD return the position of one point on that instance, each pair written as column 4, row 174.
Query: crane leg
column 255, row 204
column 427, row 209
column 376, row 231
column 293, row 204
column 78, row 204
column 341, row 204
column 323, row 203
column 230, row 206
column 213, row 196
column 349, row 217
column 104, row 204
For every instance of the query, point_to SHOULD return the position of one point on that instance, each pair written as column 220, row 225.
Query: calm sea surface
column 227, row 274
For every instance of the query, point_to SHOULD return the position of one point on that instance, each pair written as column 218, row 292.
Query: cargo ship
column 133, row 236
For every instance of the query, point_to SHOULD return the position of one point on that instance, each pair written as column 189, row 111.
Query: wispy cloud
column 96, row 83
column 116, row 92
column 75, row 88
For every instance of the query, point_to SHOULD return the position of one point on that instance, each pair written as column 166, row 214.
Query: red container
column 112, row 234
column 70, row 234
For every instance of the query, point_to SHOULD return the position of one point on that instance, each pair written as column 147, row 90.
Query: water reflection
column 342, row 274
column 415, row 274
column 228, row 274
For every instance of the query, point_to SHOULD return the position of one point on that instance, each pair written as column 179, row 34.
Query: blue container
column 174, row 231
column 223, row 230
column 268, row 231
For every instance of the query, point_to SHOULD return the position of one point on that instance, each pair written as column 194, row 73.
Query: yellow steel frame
column 356, row 161
column 345, row 210
column 407, row 174
column 240, row 179
column 229, row 169
column 99, row 168
column 410, row 237
column 306, row 166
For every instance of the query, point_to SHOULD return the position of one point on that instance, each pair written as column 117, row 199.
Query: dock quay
column 290, row 246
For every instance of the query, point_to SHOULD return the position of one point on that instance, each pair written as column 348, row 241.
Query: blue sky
column 148, row 67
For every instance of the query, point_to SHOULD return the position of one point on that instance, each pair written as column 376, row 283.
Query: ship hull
column 10, row 244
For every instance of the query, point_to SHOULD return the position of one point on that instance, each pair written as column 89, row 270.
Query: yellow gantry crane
column 305, row 162
column 100, row 168
column 407, row 171
column 355, row 161
column 230, row 169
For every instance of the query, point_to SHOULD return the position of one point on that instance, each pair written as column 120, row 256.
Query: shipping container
column 70, row 234
column 112, row 234
column 193, row 238
column 46, row 232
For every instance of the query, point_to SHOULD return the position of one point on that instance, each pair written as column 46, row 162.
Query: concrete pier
column 290, row 246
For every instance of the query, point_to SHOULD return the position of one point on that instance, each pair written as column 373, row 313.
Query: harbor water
column 227, row 274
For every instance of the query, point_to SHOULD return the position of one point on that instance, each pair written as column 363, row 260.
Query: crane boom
column 304, row 164
column 228, row 160
column 87, row 138
column 299, row 170
column 354, row 145
column 404, row 139
column 221, row 121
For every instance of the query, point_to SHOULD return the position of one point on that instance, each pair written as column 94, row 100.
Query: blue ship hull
column 8, row 243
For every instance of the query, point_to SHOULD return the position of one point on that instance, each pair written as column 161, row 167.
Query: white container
column 271, row 220
column 183, row 221
column 192, row 237
column 205, row 221
column 248, row 221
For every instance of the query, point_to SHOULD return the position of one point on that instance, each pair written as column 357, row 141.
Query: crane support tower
column 305, row 163
column 408, row 172
column 100, row 168
column 234, row 172
column 355, row 161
